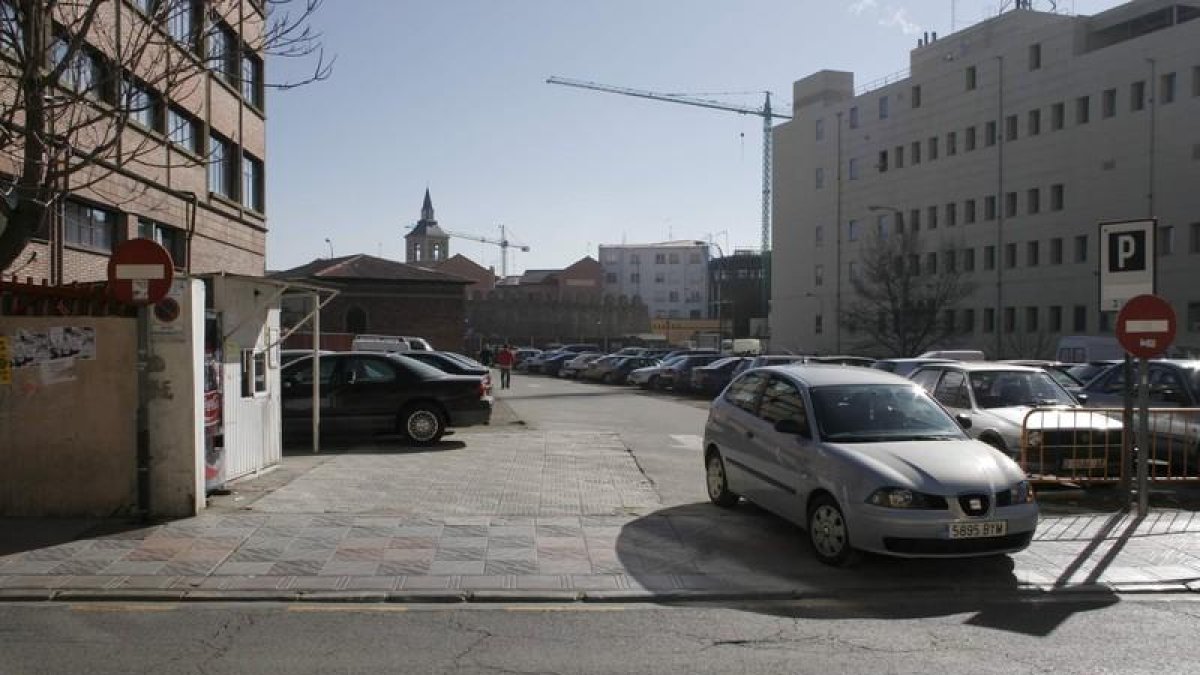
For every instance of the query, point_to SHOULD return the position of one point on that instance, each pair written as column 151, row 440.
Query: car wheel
column 422, row 424
column 653, row 383
column 717, row 481
column 828, row 533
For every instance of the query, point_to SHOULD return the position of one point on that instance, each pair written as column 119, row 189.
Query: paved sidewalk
column 502, row 514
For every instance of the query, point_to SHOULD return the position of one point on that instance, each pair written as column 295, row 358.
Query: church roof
column 366, row 267
column 427, row 226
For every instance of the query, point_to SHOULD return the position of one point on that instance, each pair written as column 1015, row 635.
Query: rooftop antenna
column 953, row 15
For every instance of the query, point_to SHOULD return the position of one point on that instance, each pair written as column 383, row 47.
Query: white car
column 864, row 460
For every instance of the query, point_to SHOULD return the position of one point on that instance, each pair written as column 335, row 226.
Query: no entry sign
column 1146, row 326
column 140, row 272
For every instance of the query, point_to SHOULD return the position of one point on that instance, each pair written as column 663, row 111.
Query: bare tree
column 75, row 73
column 900, row 308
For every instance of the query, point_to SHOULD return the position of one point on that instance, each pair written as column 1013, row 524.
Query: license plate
column 1085, row 463
column 990, row 528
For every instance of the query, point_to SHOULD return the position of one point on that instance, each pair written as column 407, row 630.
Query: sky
column 450, row 95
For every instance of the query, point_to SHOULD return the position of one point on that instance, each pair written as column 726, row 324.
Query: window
column 818, row 324
column 914, row 220
column 694, row 258
column 820, row 178
column 1010, row 319
column 660, row 277
column 852, row 231
column 819, row 275
column 1108, row 103
column 181, row 22
column 1106, row 321
column 952, row 390
column 972, row 77
column 145, row 107
column 356, row 320
column 86, row 72
column 1010, row 128
column 222, row 53
column 252, row 182
column 1194, row 237
column 916, row 96
column 854, row 117
column 1080, row 318
column 1193, row 324
column 820, row 129
column 819, row 235
column 254, row 372
column 635, row 259
column 952, row 143
column 989, row 257
column 1031, row 319
column 1196, row 81
column 1165, row 245
column 883, row 161
column 1033, row 201
column 743, row 392
column 367, row 370
column 1056, row 197
column 1010, row 256
column 1032, row 254
column 970, row 141
column 1056, row 251
column 221, row 162
column 1055, row 318
column 989, row 207
column 989, row 320
column 660, row 259
column 1137, row 95
column 1010, row 205
column 932, row 214
column 968, row 321
column 12, row 34
column 672, row 258
column 916, row 152
column 989, row 134
column 171, row 238
column 673, row 296
column 899, row 156
column 1083, row 109
column 914, row 263
column 1081, row 248
column 89, row 226
column 881, row 226
column 853, row 168
column 1034, row 123
column 1058, row 114
column 183, row 130
column 1035, row 56
column 252, row 80
column 950, row 261
column 853, row 271
column 610, row 277
column 968, row 258
column 969, row 211
column 951, row 214
column 933, row 148
column 1166, row 89
column 635, row 277
column 931, row 263
column 883, row 107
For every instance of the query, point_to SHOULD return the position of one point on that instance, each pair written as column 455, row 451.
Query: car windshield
column 874, row 413
column 1010, row 388
column 1063, row 378
column 1084, row 372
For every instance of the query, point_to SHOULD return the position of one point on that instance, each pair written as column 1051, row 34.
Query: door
column 297, row 396
column 366, row 395
column 734, row 426
column 788, row 455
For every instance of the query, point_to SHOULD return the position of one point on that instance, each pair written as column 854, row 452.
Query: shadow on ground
column 18, row 535
column 746, row 549
column 362, row 444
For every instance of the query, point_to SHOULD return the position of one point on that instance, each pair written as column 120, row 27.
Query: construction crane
column 764, row 112
column 503, row 242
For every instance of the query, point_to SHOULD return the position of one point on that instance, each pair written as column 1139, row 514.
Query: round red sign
column 140, row 272
column 1146, row 326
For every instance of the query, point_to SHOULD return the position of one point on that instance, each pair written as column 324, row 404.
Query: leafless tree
column 75, row 73
column 902, row 295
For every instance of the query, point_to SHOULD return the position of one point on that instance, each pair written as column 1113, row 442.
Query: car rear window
column 421, row 370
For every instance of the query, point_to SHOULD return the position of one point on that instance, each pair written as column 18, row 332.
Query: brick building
column 483, row 278
column 381, row 297
column 189, row 168
column 582, row 281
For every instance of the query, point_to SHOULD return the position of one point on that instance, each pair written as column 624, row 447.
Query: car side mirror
column 792, row 427
column 964, row 421
column 1082, row 397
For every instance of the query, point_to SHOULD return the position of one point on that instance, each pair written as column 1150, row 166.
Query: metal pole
column 143, row 417
column 316, row 375
column 1126, row 424
column 1143, row 455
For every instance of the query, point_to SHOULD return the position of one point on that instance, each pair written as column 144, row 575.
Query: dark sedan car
column 455, row 364
column 553, row 364
column 374, row 392
column 679, row 376
column 617, row 370
column 711, row 379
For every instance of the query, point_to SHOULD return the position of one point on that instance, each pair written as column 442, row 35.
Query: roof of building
column 363, row 266
column 536, row 276
column 680, row 243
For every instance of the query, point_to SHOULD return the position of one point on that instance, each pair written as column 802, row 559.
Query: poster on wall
column 214, row 429
column 34, row 347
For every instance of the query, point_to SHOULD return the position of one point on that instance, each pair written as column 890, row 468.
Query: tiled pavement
column 543, row 514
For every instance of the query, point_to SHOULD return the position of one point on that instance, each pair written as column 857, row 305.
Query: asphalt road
column 662, row 430
column 1075, row 636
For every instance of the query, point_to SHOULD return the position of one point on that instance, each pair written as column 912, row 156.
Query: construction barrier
column 1087, row 445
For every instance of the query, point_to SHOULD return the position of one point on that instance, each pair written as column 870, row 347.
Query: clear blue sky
column 451, row 95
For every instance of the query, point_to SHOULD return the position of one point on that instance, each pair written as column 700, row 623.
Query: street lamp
column 717, row 276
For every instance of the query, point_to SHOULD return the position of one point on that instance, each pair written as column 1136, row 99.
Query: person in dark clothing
column 485, row 356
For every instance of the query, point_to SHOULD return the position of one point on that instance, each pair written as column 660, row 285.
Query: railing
column 1087, row 446
column 884, row 81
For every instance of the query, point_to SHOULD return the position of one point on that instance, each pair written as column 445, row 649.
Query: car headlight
column 1033, row 439
column 903, row 498
column 1021, row 493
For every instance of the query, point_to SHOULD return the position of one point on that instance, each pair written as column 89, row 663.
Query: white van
column 1088, row 348
column 389, row 343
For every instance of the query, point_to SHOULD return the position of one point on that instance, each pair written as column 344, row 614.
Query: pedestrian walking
column 485, row 356
column 504, row 360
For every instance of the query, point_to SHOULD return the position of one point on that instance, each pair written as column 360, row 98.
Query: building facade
column 671, row 278
column 1002, row 149
column 737, row 293
column 183, row 147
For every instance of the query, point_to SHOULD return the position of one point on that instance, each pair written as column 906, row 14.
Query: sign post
column 1145, row 328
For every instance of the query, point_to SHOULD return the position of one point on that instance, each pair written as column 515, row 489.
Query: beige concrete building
column 670, row 277
column 1003, row 147
column 189, row 167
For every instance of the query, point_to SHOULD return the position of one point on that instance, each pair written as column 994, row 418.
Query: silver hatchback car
column 864, row 460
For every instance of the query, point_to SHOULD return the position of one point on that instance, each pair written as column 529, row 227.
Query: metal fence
column 1089, row 446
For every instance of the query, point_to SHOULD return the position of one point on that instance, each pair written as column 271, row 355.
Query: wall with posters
column 68, row 392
